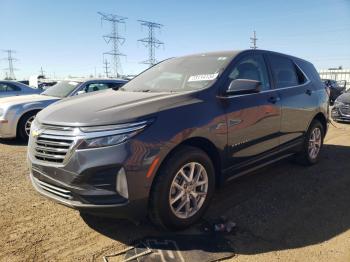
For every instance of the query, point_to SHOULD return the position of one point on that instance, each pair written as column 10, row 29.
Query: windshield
column 179, row 74
column 61, row 89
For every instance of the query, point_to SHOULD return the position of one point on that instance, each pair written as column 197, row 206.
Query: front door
column 253, row 119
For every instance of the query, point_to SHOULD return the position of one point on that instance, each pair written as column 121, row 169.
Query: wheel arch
column 36, row 110
column 205, row 145
column 321, row 117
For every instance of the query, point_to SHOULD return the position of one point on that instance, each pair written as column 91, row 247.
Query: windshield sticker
column 207, row 77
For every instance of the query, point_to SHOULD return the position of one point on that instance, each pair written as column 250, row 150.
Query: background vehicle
column 17, row 113
column 161, row 144
column 14, row 88
column 335, row 89
column 341, row 108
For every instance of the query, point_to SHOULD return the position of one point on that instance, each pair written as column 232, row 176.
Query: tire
column 165, row 189
column 23, row 125
column 306, row 156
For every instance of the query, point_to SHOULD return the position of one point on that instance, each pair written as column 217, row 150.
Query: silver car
column 13, row 88
column 17, row 113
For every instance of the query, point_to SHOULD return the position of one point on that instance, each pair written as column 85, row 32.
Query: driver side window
column 95, row 87
column 251, row 67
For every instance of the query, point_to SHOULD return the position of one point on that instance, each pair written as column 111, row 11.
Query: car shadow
column 13, row 142
column 280, row 207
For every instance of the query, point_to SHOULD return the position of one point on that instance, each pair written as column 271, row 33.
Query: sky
column 65, row 37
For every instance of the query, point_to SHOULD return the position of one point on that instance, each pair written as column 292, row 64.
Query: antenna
column 115, row 39
column 151, row 41
column 253, row 41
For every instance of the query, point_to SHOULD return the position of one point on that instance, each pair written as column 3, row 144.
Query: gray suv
column 162, row 144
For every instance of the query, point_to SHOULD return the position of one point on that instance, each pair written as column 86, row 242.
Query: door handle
column 308, row 92
column 273, row 99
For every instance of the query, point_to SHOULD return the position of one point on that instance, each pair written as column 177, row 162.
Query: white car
column 18, row 113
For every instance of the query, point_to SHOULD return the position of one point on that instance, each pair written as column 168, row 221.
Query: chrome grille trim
column 53, row 149
column 54, row 189
column 345, row 110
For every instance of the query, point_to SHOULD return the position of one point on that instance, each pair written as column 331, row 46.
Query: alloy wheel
column 315, row 142
column 188, row 190
column 28, row 124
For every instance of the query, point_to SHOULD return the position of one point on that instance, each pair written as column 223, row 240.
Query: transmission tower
column 10, row 59
column 151, row 41
column 253, row 41
column 115, row 39
column 106, row 68
column 42, row 72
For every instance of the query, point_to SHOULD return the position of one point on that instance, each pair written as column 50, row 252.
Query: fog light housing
column 122, row 184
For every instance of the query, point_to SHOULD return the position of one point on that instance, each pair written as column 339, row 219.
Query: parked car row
column 18, row 112
column 162, row 143
column 335, row 89
column 14, row 88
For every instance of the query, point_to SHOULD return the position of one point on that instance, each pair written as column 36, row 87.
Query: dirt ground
column 285, row 212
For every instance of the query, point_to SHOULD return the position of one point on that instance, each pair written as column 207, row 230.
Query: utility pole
column 115, row 38
column 106, row 68
column 10, row 59
column 253, row 41
column 151, row 41
column 42, row 72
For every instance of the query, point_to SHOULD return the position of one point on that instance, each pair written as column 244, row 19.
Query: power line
column 253, row 41
column 151, row 41
column 106, row 68
column 11, row 69
column 115, row 38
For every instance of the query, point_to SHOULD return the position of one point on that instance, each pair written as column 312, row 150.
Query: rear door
column 298, row 97
column 253, row 119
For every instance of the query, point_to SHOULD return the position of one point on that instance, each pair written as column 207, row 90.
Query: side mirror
column 244, row 86
column 80, row 92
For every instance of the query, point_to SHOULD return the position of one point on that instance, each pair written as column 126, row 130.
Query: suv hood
column 108, row 107
column 13, row 100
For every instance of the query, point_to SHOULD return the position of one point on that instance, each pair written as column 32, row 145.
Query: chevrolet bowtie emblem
column 36, row 133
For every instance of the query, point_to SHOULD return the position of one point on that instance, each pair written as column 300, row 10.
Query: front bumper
column 88, row 181
column 125, row 209
column 337, row 115
column 8, row 128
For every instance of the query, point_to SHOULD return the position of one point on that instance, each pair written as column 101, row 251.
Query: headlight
column 338, row 103
column 103, row 141
column 102, row 136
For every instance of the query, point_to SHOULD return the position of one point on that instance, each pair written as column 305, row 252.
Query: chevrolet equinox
column 162, row 144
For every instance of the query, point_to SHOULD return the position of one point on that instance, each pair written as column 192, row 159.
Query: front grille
column 58, row 191
column 345, row 109
column 51, row 149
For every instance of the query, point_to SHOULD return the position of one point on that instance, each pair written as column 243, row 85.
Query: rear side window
column 285, row 72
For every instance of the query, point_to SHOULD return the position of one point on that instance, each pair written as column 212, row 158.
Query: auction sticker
column 207, row 77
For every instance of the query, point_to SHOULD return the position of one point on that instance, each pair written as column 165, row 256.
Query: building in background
column 338, row 74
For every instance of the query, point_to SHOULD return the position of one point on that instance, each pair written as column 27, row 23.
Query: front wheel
column 312, row 144
column 182, row 189
column 24, row 125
